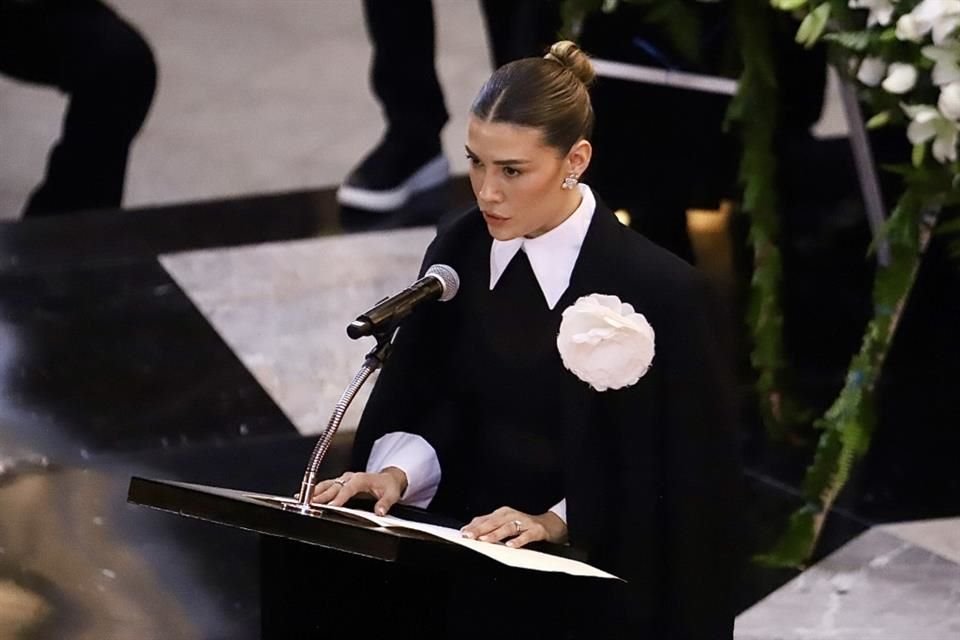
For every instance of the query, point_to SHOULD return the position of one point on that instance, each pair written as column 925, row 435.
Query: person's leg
column 409, row 157
column 402, row 72
column 87, row 51
column 520, row 28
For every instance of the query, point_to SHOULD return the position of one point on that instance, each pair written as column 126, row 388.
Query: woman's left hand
column 516, row 527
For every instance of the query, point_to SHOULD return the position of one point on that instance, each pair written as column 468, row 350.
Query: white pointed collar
column 553, row 254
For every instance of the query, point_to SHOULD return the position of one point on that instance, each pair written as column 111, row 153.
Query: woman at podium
column 573, row 391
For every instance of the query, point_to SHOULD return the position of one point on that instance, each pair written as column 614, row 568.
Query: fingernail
column 467, row 534
column 484, row 538
column 381, row 511
column 510, row 544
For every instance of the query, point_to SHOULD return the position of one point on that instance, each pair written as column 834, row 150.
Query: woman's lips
column 493, row 218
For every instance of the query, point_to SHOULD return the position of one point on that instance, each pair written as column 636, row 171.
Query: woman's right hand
column 386, row 486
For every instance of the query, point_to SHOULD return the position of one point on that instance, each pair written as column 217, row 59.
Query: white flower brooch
column 604, row 342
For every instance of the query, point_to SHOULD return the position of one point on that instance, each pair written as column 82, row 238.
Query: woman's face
column 516, row 178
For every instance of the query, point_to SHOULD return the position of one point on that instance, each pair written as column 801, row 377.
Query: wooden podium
column 328, row 575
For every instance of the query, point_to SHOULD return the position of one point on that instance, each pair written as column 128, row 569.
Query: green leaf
column 787, row 5
column 889, row 35
column 953, row 226
column 858, row 41
column 879, row 120
column 796, row 544
column 821, row 472
column 918, row 155
column 813, row 25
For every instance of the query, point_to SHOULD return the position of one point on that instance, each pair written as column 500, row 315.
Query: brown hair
column 548, row 93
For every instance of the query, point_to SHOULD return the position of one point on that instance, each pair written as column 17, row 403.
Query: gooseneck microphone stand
column 372, row 361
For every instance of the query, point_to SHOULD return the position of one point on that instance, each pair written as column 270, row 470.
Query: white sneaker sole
column 430, row 175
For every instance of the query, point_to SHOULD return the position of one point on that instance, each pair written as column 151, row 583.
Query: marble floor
column 893, row 582
column 283, row 309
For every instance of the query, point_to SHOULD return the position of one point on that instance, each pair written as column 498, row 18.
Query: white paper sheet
column 519, row 558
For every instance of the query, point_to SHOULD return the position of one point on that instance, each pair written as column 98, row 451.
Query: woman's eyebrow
column 510, row 161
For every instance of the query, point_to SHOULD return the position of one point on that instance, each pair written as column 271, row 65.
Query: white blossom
column 949, row 102
column 909, row 30
column 881, row 11
column 928, row 123
column 942, row 17
column 872, row 71
column 901, row 77
column 946, row 67
column 604, row 342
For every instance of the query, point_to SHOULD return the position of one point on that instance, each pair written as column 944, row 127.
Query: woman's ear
column 578, row 158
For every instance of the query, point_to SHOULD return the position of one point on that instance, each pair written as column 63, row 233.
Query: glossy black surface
column 115, row 357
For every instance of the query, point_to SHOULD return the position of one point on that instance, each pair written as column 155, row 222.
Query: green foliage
column 813, row 25
column 795, row 547
column 881, row 119
column 950, row 228
column 918, row 155
column 848, row 424
column 788, row 5
column 857, row 41
column 753, row 111
column 953, row 226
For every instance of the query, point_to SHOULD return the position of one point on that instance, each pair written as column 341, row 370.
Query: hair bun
column 569, row 55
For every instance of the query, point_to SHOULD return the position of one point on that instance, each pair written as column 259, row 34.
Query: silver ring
column 517, row 523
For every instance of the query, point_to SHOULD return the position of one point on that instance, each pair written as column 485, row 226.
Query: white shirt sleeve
column 416, row 458
column 561, row 510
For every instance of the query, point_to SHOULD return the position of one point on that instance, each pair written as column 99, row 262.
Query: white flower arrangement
column 946, row 63
column 904, row 37
column 881, row 11
column 872, row 71
column 928, row 123
column 901, row 78
column 941, row 17
column 605, row 343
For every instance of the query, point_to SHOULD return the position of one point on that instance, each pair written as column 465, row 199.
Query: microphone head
column 448, row 279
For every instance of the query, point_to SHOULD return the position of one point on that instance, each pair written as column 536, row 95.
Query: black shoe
column 392, row 173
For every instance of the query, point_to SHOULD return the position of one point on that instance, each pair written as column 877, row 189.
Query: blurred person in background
column 106, row 68
column 409, row 157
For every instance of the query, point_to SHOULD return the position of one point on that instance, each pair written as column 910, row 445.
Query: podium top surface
column 264, row 514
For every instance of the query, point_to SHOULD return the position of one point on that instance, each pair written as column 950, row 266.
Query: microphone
column 440, row 282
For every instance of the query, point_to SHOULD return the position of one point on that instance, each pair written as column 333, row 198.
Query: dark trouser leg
column 409, row 159
column 403, row 74
column 520, row 28
column 108, row 70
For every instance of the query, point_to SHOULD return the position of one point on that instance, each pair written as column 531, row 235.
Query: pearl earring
column 569, row 182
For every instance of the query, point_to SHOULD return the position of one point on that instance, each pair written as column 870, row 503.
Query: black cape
column 650, row 472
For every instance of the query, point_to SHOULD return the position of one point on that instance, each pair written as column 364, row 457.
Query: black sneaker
column 392, row 173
